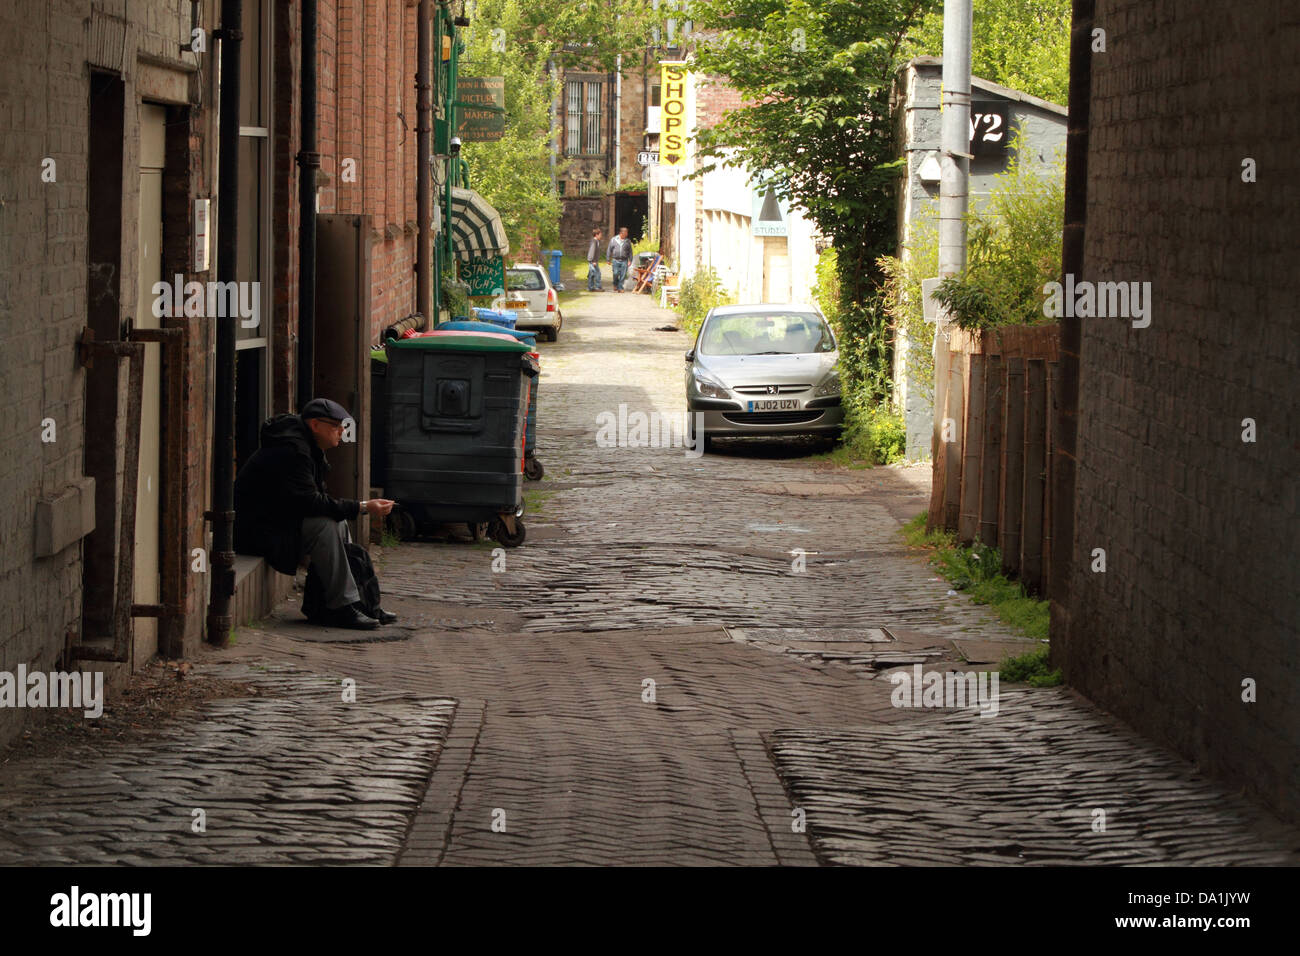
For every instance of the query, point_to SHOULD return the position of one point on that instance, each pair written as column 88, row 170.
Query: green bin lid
column 460, row 343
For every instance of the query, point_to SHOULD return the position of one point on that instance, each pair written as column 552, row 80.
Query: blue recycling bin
column 554, row 266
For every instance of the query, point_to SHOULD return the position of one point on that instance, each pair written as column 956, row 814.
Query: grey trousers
column 323, row 541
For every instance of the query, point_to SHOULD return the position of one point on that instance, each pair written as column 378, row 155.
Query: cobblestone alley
column 649, row 680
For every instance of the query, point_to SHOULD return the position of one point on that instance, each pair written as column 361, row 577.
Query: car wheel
column 703, row 441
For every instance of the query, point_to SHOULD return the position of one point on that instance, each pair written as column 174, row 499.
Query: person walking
column 620, row 251
column 593, row 261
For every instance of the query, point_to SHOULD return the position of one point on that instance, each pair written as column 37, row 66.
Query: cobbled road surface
column 685, row 663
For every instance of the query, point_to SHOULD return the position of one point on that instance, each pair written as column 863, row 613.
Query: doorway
column 630, row 210
column 153, row 157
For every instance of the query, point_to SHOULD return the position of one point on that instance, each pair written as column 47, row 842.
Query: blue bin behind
column 554, row 266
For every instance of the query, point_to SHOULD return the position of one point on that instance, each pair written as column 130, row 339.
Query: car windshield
column 524, row 280
column 766, row 333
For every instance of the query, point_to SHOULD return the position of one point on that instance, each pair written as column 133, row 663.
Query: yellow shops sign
column 672, row 107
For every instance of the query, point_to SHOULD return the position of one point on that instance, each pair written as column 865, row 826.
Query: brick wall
column 46, row 48
column 366, row 113
column 1201, row 589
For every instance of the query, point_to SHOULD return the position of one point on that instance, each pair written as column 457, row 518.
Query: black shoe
column 385, row 617
column 349, row 616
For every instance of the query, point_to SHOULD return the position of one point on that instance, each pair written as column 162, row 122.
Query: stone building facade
column 1040, row 127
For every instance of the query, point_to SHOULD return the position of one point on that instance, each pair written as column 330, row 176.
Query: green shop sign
column 481, row 101
column 484, row 276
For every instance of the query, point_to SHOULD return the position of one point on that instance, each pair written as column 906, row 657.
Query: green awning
column 475, row 226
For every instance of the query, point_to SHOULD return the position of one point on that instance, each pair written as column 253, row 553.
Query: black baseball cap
column 324, row 408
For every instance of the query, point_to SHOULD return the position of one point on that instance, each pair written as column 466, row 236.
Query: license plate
column 516, row 304
column 773, row 405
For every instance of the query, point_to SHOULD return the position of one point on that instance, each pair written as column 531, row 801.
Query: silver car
column 763, row 370
column 530, row 293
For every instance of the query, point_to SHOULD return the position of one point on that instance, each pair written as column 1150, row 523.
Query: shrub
column 874, row 433
column 700, row 293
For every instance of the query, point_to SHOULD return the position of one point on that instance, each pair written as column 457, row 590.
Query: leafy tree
column 816, row 76
column 513, row 173
column 521, row 40
column 1023, row 44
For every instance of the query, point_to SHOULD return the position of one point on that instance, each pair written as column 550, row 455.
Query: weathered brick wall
column 42, row 299
column 45, row 46
column 366, row 78
column 1202, row 587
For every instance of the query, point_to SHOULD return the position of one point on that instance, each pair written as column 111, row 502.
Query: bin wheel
column 477, row 530
column 403, row 523
column 533, row 469
column 503, row 537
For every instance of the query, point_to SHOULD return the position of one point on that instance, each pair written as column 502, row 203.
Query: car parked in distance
column 529, row 293
column 766, row 369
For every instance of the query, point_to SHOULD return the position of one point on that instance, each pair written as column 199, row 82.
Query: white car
column 529, row 292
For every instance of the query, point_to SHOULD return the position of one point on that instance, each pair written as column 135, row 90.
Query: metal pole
column 308, row 163
column 222, row 514
column 954, row 174
column 955, row 137
column 424, row 150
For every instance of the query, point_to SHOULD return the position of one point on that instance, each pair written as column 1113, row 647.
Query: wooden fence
column 991, row 475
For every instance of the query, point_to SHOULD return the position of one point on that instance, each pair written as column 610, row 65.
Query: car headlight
column 710, row 387
column 830, row 385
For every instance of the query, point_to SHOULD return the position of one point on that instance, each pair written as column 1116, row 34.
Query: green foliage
column 901, row 299
column 818, row 75
column 1023, row 44
column 914, row 534
column 455, row 295
column 389, row 539
column 977, row 570
column 1032, row 669
column 826, row 289
column 513, row 173
column 647, row 242
column 1014, row 249
column 874, row 433
column 700, row 293
column 588, row 35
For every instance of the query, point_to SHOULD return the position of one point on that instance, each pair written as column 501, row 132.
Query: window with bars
column 582, row 125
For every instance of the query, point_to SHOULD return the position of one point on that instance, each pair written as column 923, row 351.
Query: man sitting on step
column 283, row 512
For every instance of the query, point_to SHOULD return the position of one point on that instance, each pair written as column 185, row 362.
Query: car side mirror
column 690, row 356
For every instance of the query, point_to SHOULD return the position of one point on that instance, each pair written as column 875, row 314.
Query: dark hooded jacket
column 283, row 483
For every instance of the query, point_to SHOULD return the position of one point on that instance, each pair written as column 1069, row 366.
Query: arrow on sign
column 672, row 158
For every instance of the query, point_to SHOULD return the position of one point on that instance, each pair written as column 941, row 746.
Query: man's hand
column 379, row 506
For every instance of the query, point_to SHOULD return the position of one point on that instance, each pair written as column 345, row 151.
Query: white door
column 152, row 156
column 776, row 270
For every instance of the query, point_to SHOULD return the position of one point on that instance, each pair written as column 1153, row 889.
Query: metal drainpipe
column 222, row 514
column 1065, row 427
column 308, row 163
column 453, row 118
column 618, row 130
column 423, row 186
